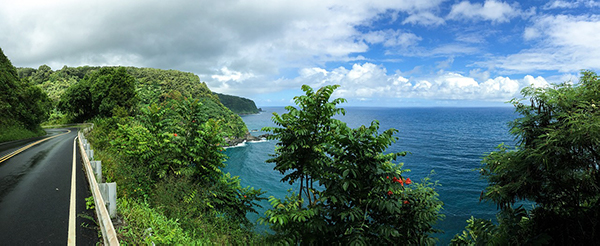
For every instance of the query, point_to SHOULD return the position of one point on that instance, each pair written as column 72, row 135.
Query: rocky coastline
column 230, row 142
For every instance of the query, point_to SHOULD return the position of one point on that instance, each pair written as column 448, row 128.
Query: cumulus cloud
column 368, row 80
column 538, row 82
column 491, row 10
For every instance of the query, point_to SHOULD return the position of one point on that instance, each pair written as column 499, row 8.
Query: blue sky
column 382, row 53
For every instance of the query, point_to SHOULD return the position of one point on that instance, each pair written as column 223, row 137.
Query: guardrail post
column 109, row 194
column 90, row 154
column 97, row 167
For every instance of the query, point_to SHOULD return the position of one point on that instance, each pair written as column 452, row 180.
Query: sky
column 389, row 53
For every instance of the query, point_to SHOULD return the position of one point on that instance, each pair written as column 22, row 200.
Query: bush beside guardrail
column 108, row 200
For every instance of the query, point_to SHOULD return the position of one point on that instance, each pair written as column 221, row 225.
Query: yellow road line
column 6, row 157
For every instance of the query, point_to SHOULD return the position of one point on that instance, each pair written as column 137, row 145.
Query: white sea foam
column 262, row 140
column 242, row 144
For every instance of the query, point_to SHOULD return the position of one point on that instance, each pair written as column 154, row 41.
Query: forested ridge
column 238, row 105
column 71, row 86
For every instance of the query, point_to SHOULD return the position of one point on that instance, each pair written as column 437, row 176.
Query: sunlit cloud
column 490, row 10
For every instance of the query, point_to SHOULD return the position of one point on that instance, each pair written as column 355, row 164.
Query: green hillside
column 238, row 105
column 23, row 106
column 152, row 86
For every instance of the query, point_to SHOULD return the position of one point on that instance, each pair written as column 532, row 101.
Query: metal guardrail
column 109, row 235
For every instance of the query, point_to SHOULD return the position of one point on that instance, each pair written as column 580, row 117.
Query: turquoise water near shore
column 449, row 141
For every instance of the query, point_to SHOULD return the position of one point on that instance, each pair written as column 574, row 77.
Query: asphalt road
column 35, row 192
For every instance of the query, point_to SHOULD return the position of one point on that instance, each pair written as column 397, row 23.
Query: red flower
column 390, row 193
column 408, row 181
column 244, row 196
column 405, row 202
column 175, row 134
column 387, row 177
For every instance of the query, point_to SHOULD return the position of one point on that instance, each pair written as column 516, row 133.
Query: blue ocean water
column 449, row 141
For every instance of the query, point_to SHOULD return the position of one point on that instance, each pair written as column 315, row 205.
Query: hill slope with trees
column 238, row 105
column 23, row 105
column 152, row 86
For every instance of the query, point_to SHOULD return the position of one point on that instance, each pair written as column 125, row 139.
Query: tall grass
column 15, row 132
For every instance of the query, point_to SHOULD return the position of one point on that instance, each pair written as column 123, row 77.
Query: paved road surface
column 35, row 192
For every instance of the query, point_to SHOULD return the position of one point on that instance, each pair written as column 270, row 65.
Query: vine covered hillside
column 152, row 86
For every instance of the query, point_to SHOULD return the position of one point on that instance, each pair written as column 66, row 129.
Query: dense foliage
column 350, row 190
column 238, row 105
column 103, row 93
column 23, row 106
column 152, row 86
column 170, row 157
column 555, row 166
column 156, row 86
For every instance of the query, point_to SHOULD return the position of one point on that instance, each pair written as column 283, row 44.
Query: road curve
column 35, row 191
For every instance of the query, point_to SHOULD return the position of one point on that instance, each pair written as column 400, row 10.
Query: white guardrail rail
column 109, row 234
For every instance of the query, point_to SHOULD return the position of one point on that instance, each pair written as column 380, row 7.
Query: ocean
column 451, row 142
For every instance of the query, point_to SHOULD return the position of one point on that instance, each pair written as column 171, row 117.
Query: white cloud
column 491, row 10
column 228, row 75
column 563, row 43
column 531, row 33
column 450, row 49
column 268, row 46
column 559, row 4
column 250, row 37
column 479, row 74
column 537, row 82
column 372, row 81
column 424, row 18
column 445, row 64
column 391, row 38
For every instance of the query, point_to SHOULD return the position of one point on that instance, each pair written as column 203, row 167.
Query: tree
column 113, row 88
column 361, row 196
column 9, row 85
column 41, row 74
column 77, row 102
column 35, row 105
column 21, row 103
column 554, row 165
column 177, row 143
column 303, row 138
column 102, row 93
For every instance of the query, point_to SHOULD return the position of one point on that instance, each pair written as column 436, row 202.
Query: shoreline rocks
column 229, row 142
